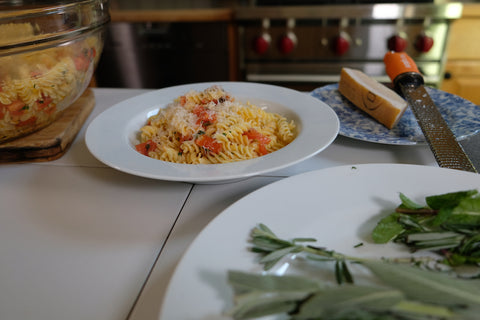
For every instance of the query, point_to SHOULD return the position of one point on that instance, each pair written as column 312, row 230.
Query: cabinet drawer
column 463, row 79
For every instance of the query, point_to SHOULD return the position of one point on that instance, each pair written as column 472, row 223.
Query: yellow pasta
column 210, row 126
column 34, row 86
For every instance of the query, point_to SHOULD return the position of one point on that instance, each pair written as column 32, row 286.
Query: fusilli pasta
column 210, row 127
column 34, row 86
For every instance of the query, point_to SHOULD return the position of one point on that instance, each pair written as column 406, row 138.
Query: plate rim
column 101, row 126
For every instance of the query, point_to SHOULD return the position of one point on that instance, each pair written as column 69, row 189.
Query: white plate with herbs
column 338, row 206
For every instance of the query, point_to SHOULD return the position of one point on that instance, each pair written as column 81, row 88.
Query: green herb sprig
column 448, row 224
column 407, row 292
column 273, row 249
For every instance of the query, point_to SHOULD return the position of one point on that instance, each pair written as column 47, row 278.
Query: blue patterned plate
column 462, row 116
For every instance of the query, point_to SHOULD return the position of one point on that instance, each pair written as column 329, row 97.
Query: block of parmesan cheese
column 366, row 93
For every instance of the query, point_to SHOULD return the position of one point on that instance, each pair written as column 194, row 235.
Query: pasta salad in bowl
column 47, row 58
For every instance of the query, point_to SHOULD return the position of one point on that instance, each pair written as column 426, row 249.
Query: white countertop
column 80, row 240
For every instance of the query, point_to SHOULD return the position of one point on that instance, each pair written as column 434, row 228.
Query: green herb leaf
column 337, row 302
column 260, row 295
column 465, row 214
column 387, row 229
column 245, row 282
column 279, row 254
column 427, row 286
column 417, row 309
column 448, row 199
column 409, row 204
column 259, row 304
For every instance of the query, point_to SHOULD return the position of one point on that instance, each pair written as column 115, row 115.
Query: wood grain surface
column 51, row 142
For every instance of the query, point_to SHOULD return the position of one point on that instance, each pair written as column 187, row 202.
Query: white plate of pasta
column 211, row 132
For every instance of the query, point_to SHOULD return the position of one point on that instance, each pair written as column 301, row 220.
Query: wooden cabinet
column 462, row 70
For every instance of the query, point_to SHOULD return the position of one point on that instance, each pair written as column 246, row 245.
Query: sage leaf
column 304, row 240
column 344, row 299
column 426, row 286
column 273, row 257
column 260, row 304
column 262, row 231
column 346, row 272
column 417, row 309
column 246, row 282
column 259, row 295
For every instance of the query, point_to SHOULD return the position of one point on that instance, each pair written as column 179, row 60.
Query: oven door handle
column 320, row 78
column 292, row 77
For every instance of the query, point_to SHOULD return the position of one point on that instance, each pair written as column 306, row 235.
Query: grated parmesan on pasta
column 210, row 127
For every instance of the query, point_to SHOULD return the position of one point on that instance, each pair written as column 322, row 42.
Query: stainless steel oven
column 304, row 46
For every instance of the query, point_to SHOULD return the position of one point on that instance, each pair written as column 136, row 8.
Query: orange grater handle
column 402, row 70
column 397, row 63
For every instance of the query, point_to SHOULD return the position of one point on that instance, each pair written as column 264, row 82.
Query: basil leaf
column 451, row 199
column 442, row 216
column 387, row 229
column 465, row 214
column 409, row 203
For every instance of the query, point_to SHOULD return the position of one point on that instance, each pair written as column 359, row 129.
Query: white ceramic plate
column 112, row 135
column 462, row 116
column 338, row 206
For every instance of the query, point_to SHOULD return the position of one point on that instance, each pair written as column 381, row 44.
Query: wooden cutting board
column 51, row 142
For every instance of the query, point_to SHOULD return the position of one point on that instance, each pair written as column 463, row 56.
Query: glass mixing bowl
column 48, row 54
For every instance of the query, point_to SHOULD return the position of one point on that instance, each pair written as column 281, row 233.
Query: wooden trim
column 233, row 63
column 471, row 10
column 180, row 15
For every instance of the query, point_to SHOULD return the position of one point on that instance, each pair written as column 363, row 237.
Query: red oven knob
column 262, row 43
column 397, row 43
column 287, row 43
column 424, row 43
column 341, row 44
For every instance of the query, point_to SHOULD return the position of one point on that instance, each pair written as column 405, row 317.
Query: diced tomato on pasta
column 145, row 147
column 209, row 144
column 253, row 134
column 45, row 104
column 182, row 139
column 262, row 149
column 205, row 116
column 16, row 108
column 262, row 140
column 35, row 74
column 29, row 122
column 81, row 63
column 183, row 100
